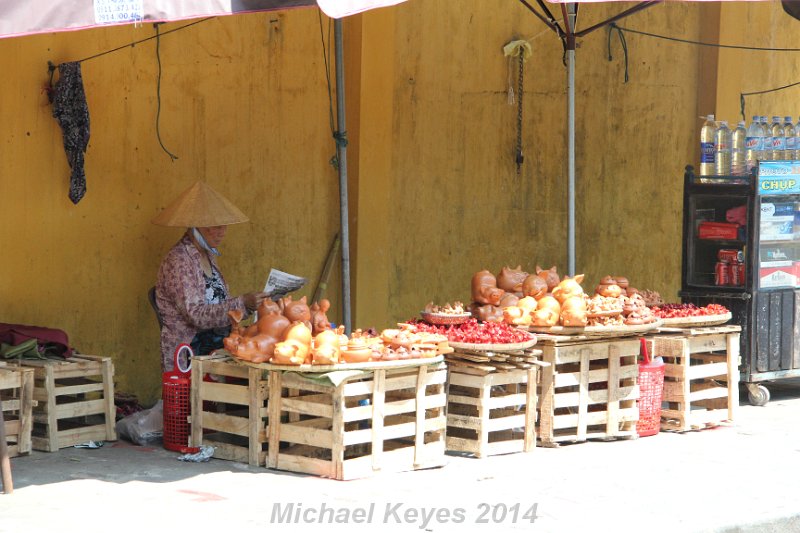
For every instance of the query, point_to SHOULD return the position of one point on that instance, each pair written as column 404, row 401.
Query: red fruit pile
column 688, row 310
column 475, row 332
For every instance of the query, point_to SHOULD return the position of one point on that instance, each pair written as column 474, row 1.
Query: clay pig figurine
column 550, row 277
column 319, row 317
column 296, row 310
column 511, row 279
column 484, row 288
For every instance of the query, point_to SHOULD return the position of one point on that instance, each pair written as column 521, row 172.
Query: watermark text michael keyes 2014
column 401, row 513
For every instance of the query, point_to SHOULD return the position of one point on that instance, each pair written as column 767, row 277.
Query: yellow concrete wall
column 435, row 195
column 244, row 106
column 455, row 203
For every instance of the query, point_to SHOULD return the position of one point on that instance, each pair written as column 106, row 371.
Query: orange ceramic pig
column 484, row 288
column 573, row 312
column 326, row 349
column 534, row 286
column 297, row 310
column 319, row 317
column 510, row 279
column 549, row 276
column 567, row 288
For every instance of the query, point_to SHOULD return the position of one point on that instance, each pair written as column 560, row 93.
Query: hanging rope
column 172, row 156
column 624, row 44
column 522, row 51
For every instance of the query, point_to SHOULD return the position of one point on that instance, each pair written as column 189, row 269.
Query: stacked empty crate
column 491, row 401
column 16, row 402
column 74, row 401
column 589, row 391
column 389, row 418
column 229, row 409
column 701, row 376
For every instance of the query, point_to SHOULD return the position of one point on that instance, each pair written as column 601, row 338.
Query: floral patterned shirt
column 185, row 304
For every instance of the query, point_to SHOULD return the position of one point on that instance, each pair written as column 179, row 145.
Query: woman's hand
column 253, row 299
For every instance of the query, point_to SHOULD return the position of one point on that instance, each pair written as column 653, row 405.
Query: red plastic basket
column 651, row 391
column 176, row 387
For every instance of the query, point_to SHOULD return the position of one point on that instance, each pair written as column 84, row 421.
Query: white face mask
column 203, row 244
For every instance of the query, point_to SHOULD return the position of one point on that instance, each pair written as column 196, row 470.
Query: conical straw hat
column 200, row 206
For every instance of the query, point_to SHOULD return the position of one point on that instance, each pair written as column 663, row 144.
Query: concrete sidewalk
column 742, row 477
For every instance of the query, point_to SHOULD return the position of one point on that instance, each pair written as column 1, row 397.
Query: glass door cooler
column 741, row 249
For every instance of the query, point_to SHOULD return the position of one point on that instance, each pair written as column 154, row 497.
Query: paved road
column 743, row 477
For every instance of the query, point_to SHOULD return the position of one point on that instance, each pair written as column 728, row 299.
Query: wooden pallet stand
column 229, row 409
column 74, row 401
column 491, row 414
column 374, row 421
column 701, row 377
column 16, row 401
column 589, row 391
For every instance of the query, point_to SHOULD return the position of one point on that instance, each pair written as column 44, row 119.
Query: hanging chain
column 520, row 158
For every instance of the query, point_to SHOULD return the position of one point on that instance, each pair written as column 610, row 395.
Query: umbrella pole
column 341, row 150
column 571, row 138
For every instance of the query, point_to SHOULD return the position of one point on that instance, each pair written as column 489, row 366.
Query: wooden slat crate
column 16, row 401
column 491, row 414
column 381, row 420
column 74, row 401
column 589, row 391
column 229, row 409
column 701, row 377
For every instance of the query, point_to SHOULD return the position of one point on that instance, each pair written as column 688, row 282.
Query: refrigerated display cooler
column 741, row 249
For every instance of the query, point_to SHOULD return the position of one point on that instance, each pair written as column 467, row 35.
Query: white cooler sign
column 778, row 274
column 778, row 177
column 116, row 11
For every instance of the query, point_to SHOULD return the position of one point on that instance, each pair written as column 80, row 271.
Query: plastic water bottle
column 722, row 147
column 753, row 144
column 738, row 137
column 791, row 139
column 707, row 139
column 797, row 140
column 766, row 150
column 778, row 139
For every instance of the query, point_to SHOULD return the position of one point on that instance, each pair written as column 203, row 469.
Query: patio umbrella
column 46, row 16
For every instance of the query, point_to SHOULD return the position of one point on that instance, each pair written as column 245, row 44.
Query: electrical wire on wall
column 339, row 138
column 172, row 156
column 613, row 26
column 52, row 67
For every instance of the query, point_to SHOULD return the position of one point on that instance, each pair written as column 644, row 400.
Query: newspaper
column 279, row 284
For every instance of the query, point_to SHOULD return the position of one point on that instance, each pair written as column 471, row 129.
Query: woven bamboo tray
column 596, row 331
column 696, row 321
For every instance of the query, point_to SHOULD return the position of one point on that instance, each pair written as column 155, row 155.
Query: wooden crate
column 380, row 420
column 701, row 376
column 491, row 414
column 589, row 391
column 16, row 401
column 74, row 401
column 229, row 409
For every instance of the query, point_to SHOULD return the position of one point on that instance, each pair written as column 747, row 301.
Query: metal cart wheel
column 758, row 395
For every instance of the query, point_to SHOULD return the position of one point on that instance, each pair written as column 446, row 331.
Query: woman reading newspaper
column 192, row 297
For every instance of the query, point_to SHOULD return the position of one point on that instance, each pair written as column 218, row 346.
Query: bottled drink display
column 707, row 140
column 722, row 147
column 738, row 138
column 754, row 144
column 767, row 150
column 791, row 139
column 778, row 140
column 737, row 152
